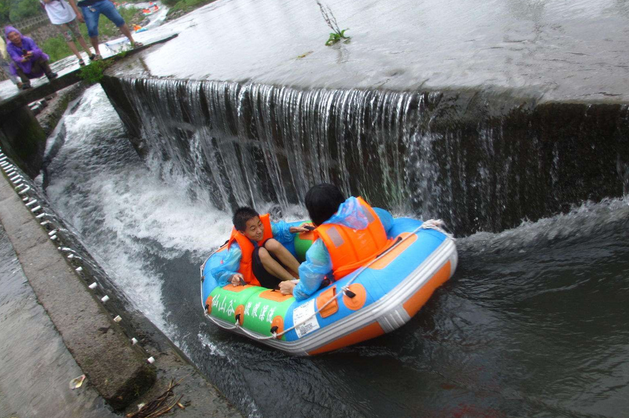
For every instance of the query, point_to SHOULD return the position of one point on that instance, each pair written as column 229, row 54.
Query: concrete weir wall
column 118, row 369
column 23, row 139
column 481, row 160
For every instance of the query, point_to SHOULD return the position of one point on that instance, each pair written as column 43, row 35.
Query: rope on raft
column 436, row 224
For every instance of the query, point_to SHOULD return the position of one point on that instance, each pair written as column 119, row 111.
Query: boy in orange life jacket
column 256, row 253
column 349, row 233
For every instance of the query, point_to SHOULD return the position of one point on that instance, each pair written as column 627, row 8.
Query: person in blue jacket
column 326, row 204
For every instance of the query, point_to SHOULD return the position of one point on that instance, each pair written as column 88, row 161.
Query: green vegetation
column 94, row 72
column 57, row 48
column 5, row 10
column 184, row 5
column 329, row 18
column 106, row 28
column 15, row 10
column 336, row 37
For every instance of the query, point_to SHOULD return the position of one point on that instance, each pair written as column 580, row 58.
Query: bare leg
column 84, row 45
column 273, row 266
column 94, row 42
column 126, row 32
column 283, row 254
column 73, row 48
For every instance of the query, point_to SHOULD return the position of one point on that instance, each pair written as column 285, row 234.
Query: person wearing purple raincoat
column 27, row 60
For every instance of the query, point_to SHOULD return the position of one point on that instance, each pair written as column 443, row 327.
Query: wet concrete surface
column 54, row 330
column 559, row 50
column 36, row 367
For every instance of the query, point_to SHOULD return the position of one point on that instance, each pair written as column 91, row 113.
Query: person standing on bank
column 63, row 16
column 28, row 60
column 89, row 13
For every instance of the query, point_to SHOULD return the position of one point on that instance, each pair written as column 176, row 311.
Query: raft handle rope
column 436, row 224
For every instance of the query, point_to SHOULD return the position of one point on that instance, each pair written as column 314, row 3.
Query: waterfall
column 480, row 160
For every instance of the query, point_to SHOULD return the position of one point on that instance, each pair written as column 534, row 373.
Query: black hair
column 322, row 201
column 242, row 215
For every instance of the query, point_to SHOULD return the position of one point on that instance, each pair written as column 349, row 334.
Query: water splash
column 479, row 160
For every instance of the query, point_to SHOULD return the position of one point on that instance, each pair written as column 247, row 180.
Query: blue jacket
column 318, row 262
column 230, row 263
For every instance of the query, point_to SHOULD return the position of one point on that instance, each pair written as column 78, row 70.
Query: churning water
column 533, row 323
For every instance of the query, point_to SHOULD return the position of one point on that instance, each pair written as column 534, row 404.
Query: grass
column 93, row 73
column 57, row 48
column 329, row 18
column 185, row 5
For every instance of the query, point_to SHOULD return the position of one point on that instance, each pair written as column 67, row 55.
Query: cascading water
column 517, row 331
column 533, row 322
column 481, row 161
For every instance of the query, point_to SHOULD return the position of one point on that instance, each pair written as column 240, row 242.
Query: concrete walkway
column 36, row 367
column 118, row 371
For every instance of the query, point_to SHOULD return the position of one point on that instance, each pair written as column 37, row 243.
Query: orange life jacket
column 351, row 248
column 247, row 247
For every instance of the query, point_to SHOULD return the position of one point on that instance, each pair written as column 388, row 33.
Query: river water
column 533, row 323
column 559, row 49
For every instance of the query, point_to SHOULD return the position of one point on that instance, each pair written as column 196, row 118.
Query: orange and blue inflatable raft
column 375, row 299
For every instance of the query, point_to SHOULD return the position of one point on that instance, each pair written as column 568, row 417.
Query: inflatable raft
column 373, row 300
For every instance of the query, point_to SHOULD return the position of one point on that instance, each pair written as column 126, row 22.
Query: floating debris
column 159, row 406
column 304, row 55
column 77, row 382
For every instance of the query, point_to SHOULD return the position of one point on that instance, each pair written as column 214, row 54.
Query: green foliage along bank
column 16, row 10
column 180, row 7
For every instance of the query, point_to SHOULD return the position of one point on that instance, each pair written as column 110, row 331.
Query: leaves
column 93, row 72
column 336, row 37
column 304, row 55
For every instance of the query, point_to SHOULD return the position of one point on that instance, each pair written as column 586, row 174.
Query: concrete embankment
column 116, row 367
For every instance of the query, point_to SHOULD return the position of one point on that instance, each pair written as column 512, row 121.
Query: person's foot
column 95, row 57
column 52, row 76
column 136, row 44
column 81, row 62
column 26, row 86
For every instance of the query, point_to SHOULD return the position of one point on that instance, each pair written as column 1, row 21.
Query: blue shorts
column 92, row 13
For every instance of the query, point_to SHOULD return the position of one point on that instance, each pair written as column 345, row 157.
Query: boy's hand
column 237, row 279
column 287, row 286
column 301, row 228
